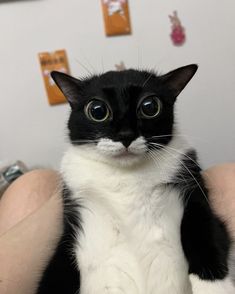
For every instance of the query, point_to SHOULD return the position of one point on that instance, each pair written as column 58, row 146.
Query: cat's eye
column 97, row 110
column 149, row 107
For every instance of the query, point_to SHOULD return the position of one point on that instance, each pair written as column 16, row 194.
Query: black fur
column 204, row 236
column 61, row 275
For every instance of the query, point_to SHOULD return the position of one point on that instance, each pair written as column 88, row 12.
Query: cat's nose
column 126, row 137
column 126, row 142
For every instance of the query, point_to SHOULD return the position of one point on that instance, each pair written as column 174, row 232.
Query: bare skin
column 30, row 225
column 31, row 222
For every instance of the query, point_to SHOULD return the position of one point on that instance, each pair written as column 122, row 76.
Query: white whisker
column 83, row 66
column 84, row 141
column 156, row 156
column 175, row 135
column 185, row 154
column 87, row 61
column 170, row 153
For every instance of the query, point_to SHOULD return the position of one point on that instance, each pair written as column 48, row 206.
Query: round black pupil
column 98, row 110
column 149, row 107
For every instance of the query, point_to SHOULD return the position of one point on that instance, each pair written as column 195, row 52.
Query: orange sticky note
column 50, row 61
column 116, row 17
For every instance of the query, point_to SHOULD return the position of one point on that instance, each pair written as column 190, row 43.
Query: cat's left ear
column 68, row 85
column 176, row 80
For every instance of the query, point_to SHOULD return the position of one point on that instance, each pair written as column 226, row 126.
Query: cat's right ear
column 68, row 85
column 177, row 79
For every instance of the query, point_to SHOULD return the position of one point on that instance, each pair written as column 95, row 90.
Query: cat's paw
column 200, row 286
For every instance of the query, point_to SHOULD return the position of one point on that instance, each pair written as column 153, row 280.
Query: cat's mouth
column 125, row 154
column 118, row 151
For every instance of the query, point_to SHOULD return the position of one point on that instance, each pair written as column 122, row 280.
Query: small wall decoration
column 178, row 31
column 116, row 17
column 50, row 61
column 120, row 66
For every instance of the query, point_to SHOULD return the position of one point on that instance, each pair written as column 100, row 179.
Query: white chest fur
column 131, row 227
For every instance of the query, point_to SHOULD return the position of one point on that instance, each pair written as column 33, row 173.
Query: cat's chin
column 121, row 159
column 126, row 159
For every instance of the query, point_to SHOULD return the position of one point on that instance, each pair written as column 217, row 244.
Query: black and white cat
column 137, row 213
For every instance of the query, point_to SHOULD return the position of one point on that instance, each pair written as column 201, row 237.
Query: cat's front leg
column 202, row 286
column 206, row 244
column 106, row 264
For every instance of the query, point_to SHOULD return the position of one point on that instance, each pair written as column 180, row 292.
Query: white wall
column 34, row 132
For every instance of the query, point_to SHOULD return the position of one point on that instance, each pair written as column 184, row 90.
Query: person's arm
column 30, row 225
column 220, row 181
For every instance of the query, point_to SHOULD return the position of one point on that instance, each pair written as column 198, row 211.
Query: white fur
column 212, row 287
column 118, row 154
column 131, row 221
column 111, row 148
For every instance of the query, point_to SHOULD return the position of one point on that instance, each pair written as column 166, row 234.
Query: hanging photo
column 50, row 61
column 116, row 17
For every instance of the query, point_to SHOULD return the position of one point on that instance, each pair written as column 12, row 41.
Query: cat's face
column 122, row 116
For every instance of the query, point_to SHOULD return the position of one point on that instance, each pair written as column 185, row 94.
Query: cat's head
column 122, row 116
